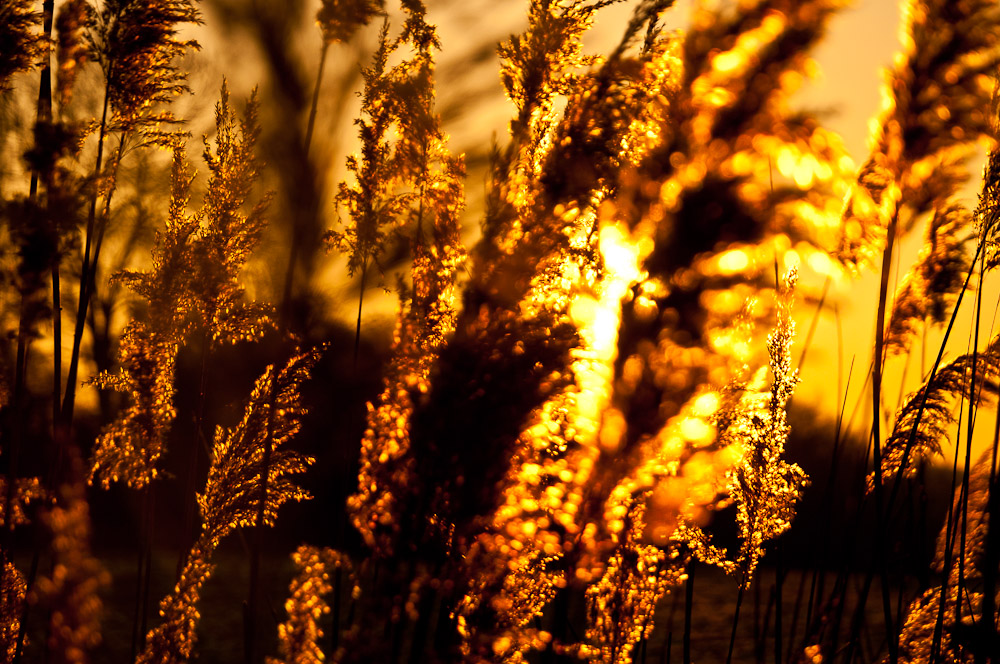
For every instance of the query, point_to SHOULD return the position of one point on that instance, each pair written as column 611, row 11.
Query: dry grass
column 579, row 415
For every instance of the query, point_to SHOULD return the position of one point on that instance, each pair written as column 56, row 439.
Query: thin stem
column 296, row 239
column 56, row 345
column 150, row 529
column 315, row 97
column 43, row 114
column 361, row 299
column 937, row 364
column 250, row 618
column 779, row 574
column 948, row 551
column 970, row 426
column 84, row 294
column 880, row 544
column 688, row 603
column 15, row 421
column 987, row 631
column 141, row 562
column 191, row 507
column 736, row 620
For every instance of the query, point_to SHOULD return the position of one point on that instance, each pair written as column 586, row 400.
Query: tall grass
column 580, row 412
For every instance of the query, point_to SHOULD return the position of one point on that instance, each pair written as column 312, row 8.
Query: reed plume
column 71, row 47
column 620, row 606
column 924, row 297
column 928, row 290
column 230, row 499
column 339, row 19
column 12, row 597
column 962, row 640
column 128, row 449
column 299, row 636
column 763, row 485
column 194, row 283
column 138, row 48
column 22, row 43
column 988, row 210
column 426, row 194
column 935, row 105
column 710, row 177
column 376, row 200
column 922, row 423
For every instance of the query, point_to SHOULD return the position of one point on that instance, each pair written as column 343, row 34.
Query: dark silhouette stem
column 688, row 604
column 191, row 507
column 736, row 622
column 85, row 273
column 315, row 97
column 897, row 482
column 948, row 551
column 779, row 573
column 43, row 114
column 880, row 536
column 968, row 446
column 361, row 299
column 56, row 344
column 987, row 620
column 296, row 240
column 250, row 617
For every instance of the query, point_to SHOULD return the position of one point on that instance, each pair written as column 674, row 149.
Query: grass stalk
column 970, row 427
column 779, row 574
column 987, row 620
column 736, row 621
column 315, row 97
column 143, row 572
column 296, row 242
column 85, row 270
column 796, row 611
column 937, row 364
column 948, row 552
column 688, row 604
column 361, row 299
column 43, row 113
column 191, row 506
column 140, row 561
column 880, row 552
column 250, row 615
column 56, row 345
